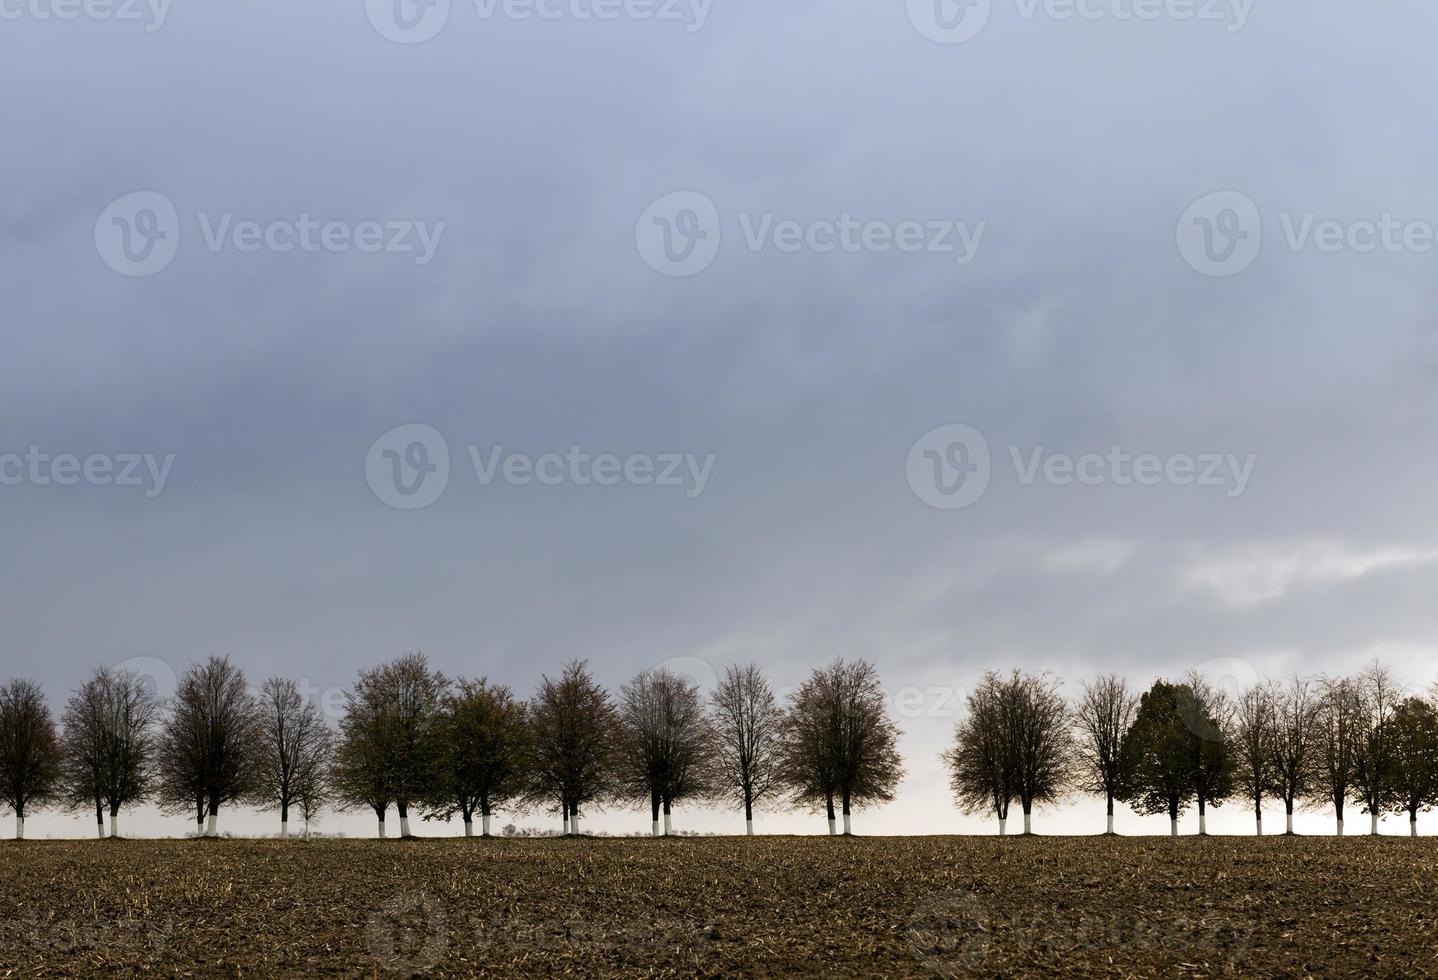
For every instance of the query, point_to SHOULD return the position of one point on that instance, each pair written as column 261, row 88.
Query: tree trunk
column 100, row 818
column 1374, row 831
column 1173, row 827
column 848, row 831
column 284, row 821
column 654, row 812
column 484, row 823
column 1202, row 819
column 748, row 815
column 1290, row 818
column 1110, row 814
column 1413, row 821
column 1028, row 821
column 469, row 825
column 114, row 824
column 19, row 825
column 381, row 826
column 1003, row 826
column 1340, row 826
column 668, row 822
column 832, row 823
column 1258, row 815
column 212, row 828
column 564, row 808
column 574, row 822
column 403, row 808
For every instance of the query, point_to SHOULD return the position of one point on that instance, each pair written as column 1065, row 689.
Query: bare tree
column 1040, row 740
column 746, row 723
column 31, row 756
column 1414, row 760
column 664, row 743
column 316, row 794
column 1294, row 743
column 293, row 747
column 1104, row 714
column 209, row 752
column 1338, row 725
column 109, row 744
column 838, row 741
column 1207, row 712
column 1255, row 727
column 981, row 766
column 575, row 727
column 483, row 753
column 1373, row 751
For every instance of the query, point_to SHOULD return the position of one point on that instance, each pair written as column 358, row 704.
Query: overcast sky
column 1175, row 274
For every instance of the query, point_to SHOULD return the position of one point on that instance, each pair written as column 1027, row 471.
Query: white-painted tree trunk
column 748, row 828
column 1110, row 823
column 1340, row 826
column 1202, row 824
column 1173, row 828
column 19, row 827
column 212, row 825
column 1413, row 828
column 101, row 826
column 1374, row 831
column 574, row 823
column 1259, row 819
column 848, row 828
column 381, row 828
column 1290, row 824
column 668, row 826
column 484, row 824
column 469, row 828
column 404, row 824
column 307, row 828
column 1028, row 822
column 656, row 829
column 833, row 827
column 114, row 825
column 284, row 830
column 566, row 825
column 1003, row 827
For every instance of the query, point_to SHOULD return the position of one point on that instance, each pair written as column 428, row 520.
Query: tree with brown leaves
column 31, row 756
column 575, row 730
column 839, row 742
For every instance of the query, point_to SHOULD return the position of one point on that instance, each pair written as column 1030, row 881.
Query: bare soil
column 767, row 906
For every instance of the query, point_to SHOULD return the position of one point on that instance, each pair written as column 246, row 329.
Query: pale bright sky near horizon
column 1176, row 274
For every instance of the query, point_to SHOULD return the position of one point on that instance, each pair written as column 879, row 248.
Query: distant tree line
column 416, row 742
column 1327, row 743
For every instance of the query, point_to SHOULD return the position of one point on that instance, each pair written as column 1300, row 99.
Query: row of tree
column 413, row 740
column 1324, row 743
